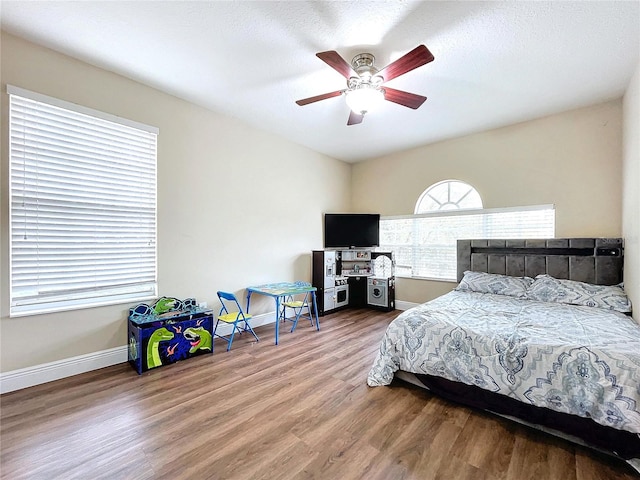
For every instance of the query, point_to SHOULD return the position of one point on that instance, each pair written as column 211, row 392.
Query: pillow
column 548, row 289
column 494, row 283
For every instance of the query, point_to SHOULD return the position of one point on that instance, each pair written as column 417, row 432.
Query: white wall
column 572, row 160
column 631, row 191
column 236, row 206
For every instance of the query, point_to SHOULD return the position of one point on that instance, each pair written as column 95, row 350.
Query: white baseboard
column 402, row 305
column 48, row 372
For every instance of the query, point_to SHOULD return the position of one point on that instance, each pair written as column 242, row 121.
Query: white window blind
column 82, row 206
column 425, row 245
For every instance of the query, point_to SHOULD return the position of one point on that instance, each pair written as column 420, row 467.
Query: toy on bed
column 512, row 344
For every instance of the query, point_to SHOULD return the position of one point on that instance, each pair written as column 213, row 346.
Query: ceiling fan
column 364, row 81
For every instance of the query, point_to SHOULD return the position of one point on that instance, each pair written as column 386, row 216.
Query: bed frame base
column 633, row 462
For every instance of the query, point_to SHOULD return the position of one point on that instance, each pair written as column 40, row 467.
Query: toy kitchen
column 356, row 278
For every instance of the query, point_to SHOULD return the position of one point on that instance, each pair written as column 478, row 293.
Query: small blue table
column 280, row 290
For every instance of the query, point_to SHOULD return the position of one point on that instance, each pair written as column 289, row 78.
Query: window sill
column 25, row 311
column 430, row 279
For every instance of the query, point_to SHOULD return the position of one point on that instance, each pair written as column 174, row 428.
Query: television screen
column 345, row 230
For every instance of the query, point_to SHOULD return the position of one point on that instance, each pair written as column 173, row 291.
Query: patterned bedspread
column 578, row 360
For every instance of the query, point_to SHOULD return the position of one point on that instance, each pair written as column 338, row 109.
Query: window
column 448, row 195
column 424, row 244
column 82, row 206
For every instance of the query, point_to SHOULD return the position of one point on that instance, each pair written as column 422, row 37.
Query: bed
column 538, row 331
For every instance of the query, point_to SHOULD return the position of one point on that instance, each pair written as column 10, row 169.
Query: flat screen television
column 347, row 230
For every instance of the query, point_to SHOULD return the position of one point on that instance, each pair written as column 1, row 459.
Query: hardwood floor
column 300, row 410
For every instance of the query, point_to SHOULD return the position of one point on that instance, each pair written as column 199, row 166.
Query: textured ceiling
column 496, row 63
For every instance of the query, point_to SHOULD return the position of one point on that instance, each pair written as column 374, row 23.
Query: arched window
column 448, row 195
column 424, row 244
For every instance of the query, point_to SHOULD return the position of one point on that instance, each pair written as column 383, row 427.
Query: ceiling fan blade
column 406, row 99
column 354, row 118
column 415, row 58
column 317, row 98
column 339, row 64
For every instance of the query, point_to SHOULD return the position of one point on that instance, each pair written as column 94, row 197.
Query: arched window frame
column 453, row 199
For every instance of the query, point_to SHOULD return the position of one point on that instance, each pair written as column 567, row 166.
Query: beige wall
column 572, row 160
column 631, row 192
column 229, row 214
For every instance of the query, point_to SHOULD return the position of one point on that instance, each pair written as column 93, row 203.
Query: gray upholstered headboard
column 592, row 260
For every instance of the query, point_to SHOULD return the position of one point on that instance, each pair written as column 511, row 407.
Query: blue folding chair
column 231, row 313
column 298, row 306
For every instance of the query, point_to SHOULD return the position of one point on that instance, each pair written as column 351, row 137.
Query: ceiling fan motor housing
column 363, row 65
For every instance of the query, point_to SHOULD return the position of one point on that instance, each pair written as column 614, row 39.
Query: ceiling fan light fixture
column 365, row 98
